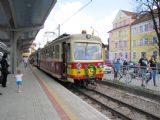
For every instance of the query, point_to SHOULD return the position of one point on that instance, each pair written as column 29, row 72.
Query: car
column 107, row 69
column 134, row 65
column 108, row 62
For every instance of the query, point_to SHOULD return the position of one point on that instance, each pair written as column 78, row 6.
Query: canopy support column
column 13, row 51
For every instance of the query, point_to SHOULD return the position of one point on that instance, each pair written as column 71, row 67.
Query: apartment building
column 143, row 38
column 120, row 35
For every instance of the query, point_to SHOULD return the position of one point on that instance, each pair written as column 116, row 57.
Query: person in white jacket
column 18, row 77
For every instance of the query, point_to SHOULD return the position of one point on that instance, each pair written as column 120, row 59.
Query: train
column 74, row 58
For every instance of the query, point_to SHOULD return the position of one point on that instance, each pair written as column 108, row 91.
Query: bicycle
column 117, row 74
column 136, row 72
column 128, row 74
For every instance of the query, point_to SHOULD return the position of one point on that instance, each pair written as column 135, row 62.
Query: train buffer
column 42, row 98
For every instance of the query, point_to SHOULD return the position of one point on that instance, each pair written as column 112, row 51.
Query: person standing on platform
column 143, row 67
column 153, row 67
column 117, row 68
column 18, row 77
column 125, row 65
column 25, row 61
column 4, row 69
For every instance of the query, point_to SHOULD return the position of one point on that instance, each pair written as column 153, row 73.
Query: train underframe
column 87, row 82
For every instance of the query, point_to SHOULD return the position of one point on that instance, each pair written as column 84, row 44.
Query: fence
column 134, row 76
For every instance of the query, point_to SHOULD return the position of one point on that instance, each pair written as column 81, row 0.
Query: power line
column 59, row 25
column 76, row 12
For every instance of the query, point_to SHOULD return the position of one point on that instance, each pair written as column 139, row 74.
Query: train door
column 64, row 60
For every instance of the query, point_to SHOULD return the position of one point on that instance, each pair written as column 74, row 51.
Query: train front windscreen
column 87, row 51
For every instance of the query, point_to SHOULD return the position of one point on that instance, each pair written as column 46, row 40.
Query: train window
column 53, row 51
column 57, row 51
column 42, row 54
column 47, row 51
column 87, row 51
column 53, row 54
column 50, row 52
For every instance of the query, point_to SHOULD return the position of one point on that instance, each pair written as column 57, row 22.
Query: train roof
column 76, row 36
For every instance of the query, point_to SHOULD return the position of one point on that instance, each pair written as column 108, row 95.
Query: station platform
column 42, row 98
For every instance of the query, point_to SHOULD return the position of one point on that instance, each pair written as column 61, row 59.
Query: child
column 18, row 77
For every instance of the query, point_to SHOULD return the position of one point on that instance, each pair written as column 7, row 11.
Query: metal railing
column 136, row 76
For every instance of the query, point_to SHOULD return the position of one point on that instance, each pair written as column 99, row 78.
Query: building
column 120, row 35
column 144, row 38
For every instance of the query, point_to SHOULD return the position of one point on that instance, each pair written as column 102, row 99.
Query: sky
column 73, row 16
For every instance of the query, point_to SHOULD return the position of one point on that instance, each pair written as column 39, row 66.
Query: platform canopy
column 25, row 17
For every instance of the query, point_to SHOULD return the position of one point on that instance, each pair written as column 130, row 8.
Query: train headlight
column 78, row 65
column 100, row 65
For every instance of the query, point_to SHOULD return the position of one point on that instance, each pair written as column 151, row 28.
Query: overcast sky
column 98, row 14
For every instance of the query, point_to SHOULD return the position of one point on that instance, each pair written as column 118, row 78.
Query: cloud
column 63, row 14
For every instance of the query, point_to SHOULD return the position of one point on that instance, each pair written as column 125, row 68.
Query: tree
column 152, row 8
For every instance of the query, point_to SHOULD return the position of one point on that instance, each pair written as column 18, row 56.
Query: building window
column 116, row 35
column 146, row 27
column 150, row 26
column 134, row 55
column 116, row 45
column 141, row 28
column 145, row 41
column 125, row 43
column 120, row 35
column 155, row 40
column 120, row 44
column 134, row 31
column 141, row 42
column 134, row 43
column 155, row 53
column 143, row 54
column 120, row 24
column 116, row 25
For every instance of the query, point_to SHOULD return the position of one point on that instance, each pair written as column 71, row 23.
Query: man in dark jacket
column 143, row 67
column 4, row 69
column 125, row 65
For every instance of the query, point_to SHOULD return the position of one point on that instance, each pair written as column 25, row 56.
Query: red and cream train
column 76, row 58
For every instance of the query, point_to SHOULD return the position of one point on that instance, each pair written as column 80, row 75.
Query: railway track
column 118, row 108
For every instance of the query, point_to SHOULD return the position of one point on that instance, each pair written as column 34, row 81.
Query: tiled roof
column 144, row 17
column 118, row 28
column 128, row 13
